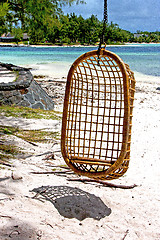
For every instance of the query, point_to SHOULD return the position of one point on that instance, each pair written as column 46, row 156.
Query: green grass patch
column 30, row 135
column 39, row 76
column 8, row 130
column 9, row 149
column 38, row 135
column 25, row 112
column 7, row 152
column 17, row 75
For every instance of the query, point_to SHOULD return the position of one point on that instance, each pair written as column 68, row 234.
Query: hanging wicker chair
column 97, row 115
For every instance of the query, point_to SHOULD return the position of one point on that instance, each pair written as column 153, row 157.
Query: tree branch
column 107, row 184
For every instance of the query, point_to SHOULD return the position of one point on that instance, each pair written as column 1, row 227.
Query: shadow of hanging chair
column 97, row 115
column 73, row 202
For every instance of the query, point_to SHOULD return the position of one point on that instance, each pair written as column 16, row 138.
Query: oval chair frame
column 97, row 168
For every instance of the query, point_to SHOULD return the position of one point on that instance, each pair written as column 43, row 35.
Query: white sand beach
column 74, row 210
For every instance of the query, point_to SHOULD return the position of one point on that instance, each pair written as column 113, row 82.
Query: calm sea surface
column 143, row 58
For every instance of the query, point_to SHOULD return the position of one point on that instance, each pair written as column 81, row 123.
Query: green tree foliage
column 79, row 30
column 147, row 37
column 18, row 33
column 4, row 15
column 115, row 34
column 37, row 17
column 44, row 21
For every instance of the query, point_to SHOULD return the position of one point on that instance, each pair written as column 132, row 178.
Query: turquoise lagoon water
column 142, row 58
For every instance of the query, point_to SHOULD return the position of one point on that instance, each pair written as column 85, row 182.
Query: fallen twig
column 28, row 141
column 38, row 155
column 5, row 216
column 28, row 156
column 59, row 166
column 6, row 164
column 53, row 172
column 3, row 199
column 125, row 234
column 50, row 156
column 49, row 225
column 3, row 179
column 14, row 232
column 31, row 143
column 57, row 151
column 43, row 154
column 107, row 184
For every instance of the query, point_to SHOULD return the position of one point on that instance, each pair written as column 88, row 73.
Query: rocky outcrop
column 24, row 91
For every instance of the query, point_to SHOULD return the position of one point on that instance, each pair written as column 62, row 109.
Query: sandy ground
column 7, row 75
column 74, row 210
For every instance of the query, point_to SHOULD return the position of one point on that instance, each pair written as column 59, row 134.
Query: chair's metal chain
column 105, row 21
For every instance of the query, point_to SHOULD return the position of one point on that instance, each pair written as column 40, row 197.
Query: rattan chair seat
column 97, row 116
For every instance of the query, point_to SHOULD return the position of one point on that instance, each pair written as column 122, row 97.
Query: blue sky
column 130, row 15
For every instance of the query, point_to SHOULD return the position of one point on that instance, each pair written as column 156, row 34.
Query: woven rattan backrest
column 96, row 123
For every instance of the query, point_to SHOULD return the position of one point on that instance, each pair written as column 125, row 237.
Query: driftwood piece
column 6, row 164
column 106, row 184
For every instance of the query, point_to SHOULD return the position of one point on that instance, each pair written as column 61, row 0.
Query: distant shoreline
column 41, row 45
